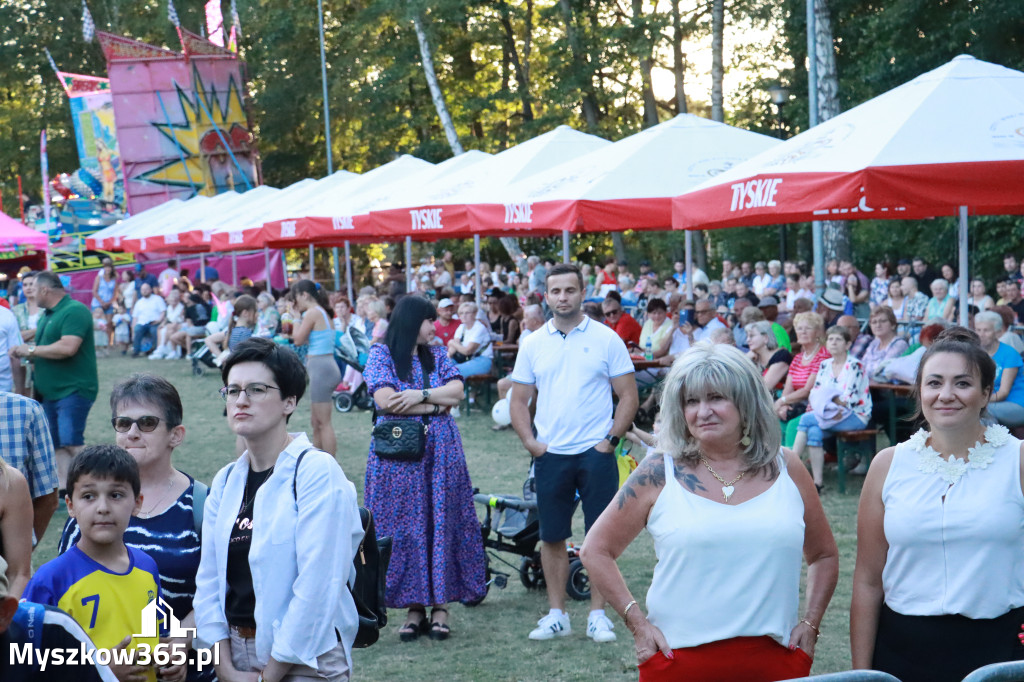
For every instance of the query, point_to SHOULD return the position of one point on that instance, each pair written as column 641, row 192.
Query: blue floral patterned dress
column 425, row 506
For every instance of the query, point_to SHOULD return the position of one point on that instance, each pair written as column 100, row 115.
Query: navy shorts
column 594, row 474
column 66, row 418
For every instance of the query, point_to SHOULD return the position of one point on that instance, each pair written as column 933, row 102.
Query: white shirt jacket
column 148, row 309
column 301, row 556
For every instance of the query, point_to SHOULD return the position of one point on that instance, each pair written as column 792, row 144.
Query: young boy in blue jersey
column 102, row 583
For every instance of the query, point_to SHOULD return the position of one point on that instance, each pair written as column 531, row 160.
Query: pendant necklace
column 728, row 487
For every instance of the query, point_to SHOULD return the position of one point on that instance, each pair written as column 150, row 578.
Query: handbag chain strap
column 426, row 417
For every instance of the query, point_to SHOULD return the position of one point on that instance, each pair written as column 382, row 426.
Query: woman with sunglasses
column 281, row 528
column 146, row 414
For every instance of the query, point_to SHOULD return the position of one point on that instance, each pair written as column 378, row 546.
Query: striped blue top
column 173, row 542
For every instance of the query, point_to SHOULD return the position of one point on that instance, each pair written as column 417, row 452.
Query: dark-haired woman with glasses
column 146, row 414
column 426, row 506
column 279, row 533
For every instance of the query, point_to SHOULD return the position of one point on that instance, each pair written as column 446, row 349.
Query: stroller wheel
column 531, row 574
column 476, row 602
column 578, row 585
column 343, row 401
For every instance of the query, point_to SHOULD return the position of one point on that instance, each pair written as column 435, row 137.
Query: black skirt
column 944, row 648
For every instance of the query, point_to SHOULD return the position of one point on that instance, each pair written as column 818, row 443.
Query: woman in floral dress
column 426, row 506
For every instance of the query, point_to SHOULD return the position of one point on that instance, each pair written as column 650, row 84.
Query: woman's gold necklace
column 728, row 487
column 148, row 513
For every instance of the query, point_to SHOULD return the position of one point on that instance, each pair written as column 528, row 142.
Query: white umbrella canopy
column 622, row 186
column 110, row 237
column 951, row 137
column 163, row 235
column 949, row 142
column 438, row 210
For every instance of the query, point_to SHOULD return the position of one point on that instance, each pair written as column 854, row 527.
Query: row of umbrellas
column 949, row 142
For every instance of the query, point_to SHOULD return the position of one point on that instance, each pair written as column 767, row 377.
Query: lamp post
column 780, row 97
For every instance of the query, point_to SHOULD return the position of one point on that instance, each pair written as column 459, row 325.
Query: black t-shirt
column 1018, row 308
column 240, row 601
column 197, row 314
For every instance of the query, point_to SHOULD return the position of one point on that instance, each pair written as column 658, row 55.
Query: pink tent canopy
column 15, row 236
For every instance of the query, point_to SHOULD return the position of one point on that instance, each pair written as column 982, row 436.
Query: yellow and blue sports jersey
column 108, row 605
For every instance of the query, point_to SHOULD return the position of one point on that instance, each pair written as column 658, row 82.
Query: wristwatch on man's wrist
column 426, row 395
column 612, row 440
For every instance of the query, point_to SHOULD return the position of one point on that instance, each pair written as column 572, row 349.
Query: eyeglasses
column 254, row 391
column 146, row 424
column 614, row 311
column 703, row 312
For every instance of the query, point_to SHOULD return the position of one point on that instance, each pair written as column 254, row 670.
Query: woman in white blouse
column 938, row 588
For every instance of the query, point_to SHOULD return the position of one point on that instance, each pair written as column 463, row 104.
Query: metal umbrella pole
column 348, row 273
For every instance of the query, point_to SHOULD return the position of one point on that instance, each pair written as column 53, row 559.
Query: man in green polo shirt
column 64, row 357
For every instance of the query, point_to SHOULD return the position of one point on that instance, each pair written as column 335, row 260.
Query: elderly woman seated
column 942, row 304
column 1006, row 404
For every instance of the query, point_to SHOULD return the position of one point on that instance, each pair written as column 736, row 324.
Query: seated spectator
column 100, row 573
column 903, row 369
column 705, row 321
column 778, row 283
column 470, row 348
column 607, row 279
column 657, row 329
column 831, row 305
column 508, row 325
column 671, row 288
column 173, row 320
column 885, row 344
column 762, row 280
column 1012, row 298
column 952, row 279
column 771, row 360
column 769, row 307
column 240, row 328
column 978, row 298
column 148, row 314
column 1009, row 337
column 916, row 303
column 856, row 298
column 445, row 325
column 197, row 316
column 622, row 322
column 859, row 342
column 839, row 401
column 268, row 319
column 743, row 291
column 1006, row 404
column 879, row 290
column 716, row 296
column 810, row 333
column 941, row 305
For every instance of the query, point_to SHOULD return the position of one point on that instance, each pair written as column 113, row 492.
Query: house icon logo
column 156, row 611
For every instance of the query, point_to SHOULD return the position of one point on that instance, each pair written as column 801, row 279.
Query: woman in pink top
column 810, row 334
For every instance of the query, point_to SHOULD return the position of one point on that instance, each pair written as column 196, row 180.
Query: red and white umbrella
column 627, row 185
column 951, row 137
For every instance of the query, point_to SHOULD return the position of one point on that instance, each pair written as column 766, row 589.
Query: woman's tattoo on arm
column 690, row 480
column 650, row 472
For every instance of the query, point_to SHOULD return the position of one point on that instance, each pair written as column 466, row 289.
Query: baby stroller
column 200, row 355
column 352, row 347
column 510, row 525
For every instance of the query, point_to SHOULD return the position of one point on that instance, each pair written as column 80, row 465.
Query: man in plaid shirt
column 26, row 445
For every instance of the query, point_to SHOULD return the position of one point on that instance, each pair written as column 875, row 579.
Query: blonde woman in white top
column 938, row 588
column 732, row 515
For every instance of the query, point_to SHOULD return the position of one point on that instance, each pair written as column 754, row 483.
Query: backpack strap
column 295, row 478
column 199, row 493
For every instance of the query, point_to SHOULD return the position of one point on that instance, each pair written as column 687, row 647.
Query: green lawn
column 489, row 641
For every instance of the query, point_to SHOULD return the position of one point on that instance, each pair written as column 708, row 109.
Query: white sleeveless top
column 964, row 555
column 724, row 570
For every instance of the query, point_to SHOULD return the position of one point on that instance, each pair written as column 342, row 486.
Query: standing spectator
column 64, row 361
column 143, row 276
column 104, row 292
column 940, row 520
column 470, row 347
column 317, row 331
column 15, row 530
column 272, row 595
column 537, row 275
column 1010, row 268
column 607, row 279
column 916, row 303
column 268, row 320
column 880, row 285
column 148, row 314
column 426, row 506
column 28, row 312
column 127, row 291
column 12, row 376
column 26, row 445
column 445, row 325
column 624, row 324
column 732, row 515
column 575, row 439
column 167, row 278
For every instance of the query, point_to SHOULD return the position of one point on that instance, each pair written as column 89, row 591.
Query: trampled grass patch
column 489, row 642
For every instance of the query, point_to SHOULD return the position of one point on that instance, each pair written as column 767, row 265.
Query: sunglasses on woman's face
column 146, row 424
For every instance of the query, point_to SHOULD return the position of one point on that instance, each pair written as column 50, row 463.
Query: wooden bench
column 480, row 380
column 860, row 442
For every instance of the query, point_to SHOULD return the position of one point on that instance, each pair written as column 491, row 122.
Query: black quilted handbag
column 401, row 440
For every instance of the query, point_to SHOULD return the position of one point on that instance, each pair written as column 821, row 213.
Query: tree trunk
column 835, row 233
column 618, row 246
column 678, row 58
column 522, row 81
column 426, row 57
column 717, row 68
column 646, row 64
column 587, row 98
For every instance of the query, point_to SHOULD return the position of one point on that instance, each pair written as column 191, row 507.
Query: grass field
column 488, row 641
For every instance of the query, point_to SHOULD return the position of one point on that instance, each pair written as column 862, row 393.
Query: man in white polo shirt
column 571, row 365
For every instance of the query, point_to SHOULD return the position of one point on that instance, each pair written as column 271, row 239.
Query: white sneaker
column 158, row 354
column 599, row 629
column 551, row 626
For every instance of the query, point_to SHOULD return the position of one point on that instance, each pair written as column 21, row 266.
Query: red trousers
column 742, row 659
